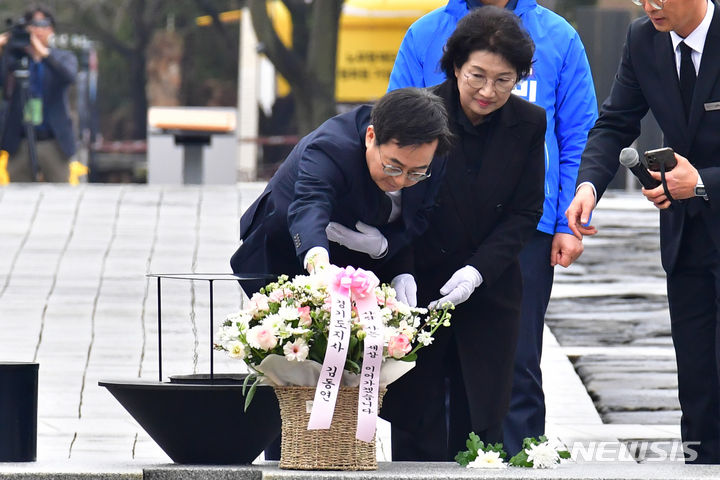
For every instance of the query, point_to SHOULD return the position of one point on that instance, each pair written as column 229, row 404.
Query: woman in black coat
column 489, row 205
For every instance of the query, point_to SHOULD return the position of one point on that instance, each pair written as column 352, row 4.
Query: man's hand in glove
column 459, row 288
column 366, row 239
column 405, row 289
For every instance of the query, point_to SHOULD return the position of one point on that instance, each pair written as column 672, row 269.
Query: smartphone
column 660, row 156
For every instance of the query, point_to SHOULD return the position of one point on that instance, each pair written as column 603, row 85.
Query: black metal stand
column 210, row 278
column 22, row 77
column 196, row 418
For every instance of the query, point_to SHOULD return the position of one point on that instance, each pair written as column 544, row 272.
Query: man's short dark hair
column 494, row 30
column 412, row 116
column 37, row 7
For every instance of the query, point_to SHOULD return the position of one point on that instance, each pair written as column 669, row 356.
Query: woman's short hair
column 412, row 116
column 494, row 30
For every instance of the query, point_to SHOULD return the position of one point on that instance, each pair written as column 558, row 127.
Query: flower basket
column 333, row 449
column 330, row 343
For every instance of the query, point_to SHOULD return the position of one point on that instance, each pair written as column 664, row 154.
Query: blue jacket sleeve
column 408, row 70
column 576, row 112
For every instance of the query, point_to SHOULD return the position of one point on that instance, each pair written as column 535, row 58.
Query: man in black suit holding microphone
column 671, row 65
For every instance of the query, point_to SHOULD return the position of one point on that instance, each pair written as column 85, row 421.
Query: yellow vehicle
column 369, row 36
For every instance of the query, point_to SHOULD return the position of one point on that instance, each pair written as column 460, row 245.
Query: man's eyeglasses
column 656, row 4
column 394, row 171
column 502, row 84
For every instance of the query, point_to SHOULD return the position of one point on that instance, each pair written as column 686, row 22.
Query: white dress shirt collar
column 696, row 39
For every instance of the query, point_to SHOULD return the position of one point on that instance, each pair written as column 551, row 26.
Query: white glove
column 405, row 289
column 366, row 239
column 459, row 288
column 316, row 259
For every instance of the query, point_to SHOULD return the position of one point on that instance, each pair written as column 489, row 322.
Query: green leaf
column 245, row 382
column 351, row 366
column 473, row 443
column 520, row 459
column 251, row 393
column 410, row 357
column 497, row 447
column 564, row 454
column 463, row 458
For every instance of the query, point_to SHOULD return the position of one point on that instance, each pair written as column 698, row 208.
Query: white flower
column 406, row 329
column 425, row 338
column 389, row 332
column 297, row 350
column 487, row 460
column 386, row 314
column 273, row 321
column 543, row 455
column 288, row 313
column 236, row 349
column 403, row 309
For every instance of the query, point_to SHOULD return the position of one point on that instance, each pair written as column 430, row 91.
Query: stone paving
column 74, row 297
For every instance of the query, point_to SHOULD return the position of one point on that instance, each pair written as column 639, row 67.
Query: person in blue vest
column 561, row 83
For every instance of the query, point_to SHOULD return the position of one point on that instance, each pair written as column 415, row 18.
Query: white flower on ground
column 236, row 349
column 543, row 455
column 487, row 460
column 297, row 350
column 261, row 337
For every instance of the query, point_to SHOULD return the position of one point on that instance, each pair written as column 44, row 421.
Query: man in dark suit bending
column 671, row 65
column 352, row 192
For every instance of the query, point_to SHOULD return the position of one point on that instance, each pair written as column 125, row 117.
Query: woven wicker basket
column 333, row 449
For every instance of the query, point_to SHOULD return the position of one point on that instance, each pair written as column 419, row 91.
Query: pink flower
column 388, row 302
column 262, row 337
column 277, row 296
column 259, row 302
column 399, row 346
column 305, row 319
column 342, row 280
column 364, row 283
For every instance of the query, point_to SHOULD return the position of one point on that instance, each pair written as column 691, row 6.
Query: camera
column 19, row 39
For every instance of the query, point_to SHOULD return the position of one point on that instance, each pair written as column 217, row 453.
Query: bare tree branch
column 286, row 61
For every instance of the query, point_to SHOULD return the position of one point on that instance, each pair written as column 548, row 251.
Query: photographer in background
column 51, row 71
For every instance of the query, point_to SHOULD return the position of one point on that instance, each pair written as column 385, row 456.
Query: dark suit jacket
column 485, row 214
column 647, row 78
column 60, row 70
column 325, row 178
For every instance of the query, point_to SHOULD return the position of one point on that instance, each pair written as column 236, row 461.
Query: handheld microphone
column 630, row 158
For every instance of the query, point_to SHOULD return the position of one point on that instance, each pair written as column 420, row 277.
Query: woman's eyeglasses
column 502, row 84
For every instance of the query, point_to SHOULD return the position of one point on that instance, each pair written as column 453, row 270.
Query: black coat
column 325, row 178
column 647, row 78
column 488, row 207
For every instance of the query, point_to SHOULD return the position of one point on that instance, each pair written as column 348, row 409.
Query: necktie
column 687, row 77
